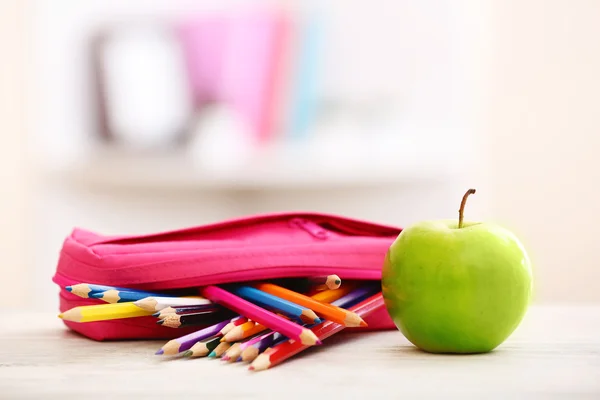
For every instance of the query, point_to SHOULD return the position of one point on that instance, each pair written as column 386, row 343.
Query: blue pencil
column 122, row 296
column 86, row 289
column 357, row 295
column 285, row 307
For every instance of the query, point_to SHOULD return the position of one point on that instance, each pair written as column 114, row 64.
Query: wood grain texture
column 555, row 353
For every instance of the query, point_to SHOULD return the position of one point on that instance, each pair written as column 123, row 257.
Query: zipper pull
column 314, row 229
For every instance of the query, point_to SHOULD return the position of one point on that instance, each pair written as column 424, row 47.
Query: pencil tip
column 159, row 352
column 160, row 321
column 338, row 282
column 363, row 324
column 96, row 295
column 60, row 315
column 251, row 368
column 156, row 314
column 212, row 354
column 69, row 288
column 187, row 353
column 318, row 342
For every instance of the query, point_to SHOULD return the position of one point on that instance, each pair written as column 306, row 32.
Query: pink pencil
column 260, row 315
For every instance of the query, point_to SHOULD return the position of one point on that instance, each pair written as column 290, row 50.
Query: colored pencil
column 326, row 282
column 196, row 319
column 122, row 296
column 220, row 349
column 158, row 303
column 103, row 312
column 259, row 315
column 184, row 343
column 329, row 295
column 258, row 338
column 85, row 289
column 243, row 331
column 232, row 353
column 285, row 307
column 234, row 322
column 324, row 310
column 260, row 344
column 276, row 355
column 203, row 347
column 184, row 310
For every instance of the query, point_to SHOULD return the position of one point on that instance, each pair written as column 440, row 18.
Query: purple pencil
column 355, row 296
column 186, row 342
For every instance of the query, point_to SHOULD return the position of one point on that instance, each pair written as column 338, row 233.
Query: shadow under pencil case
column 259, row 247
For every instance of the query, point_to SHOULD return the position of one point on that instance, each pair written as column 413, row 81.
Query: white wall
column 543, row 120
column 15, row 195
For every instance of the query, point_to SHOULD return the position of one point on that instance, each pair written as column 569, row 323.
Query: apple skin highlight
column 456, row 290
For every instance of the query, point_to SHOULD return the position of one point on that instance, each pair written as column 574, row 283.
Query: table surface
column 555, row 353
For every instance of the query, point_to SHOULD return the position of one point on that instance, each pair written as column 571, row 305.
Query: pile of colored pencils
column 262, row 323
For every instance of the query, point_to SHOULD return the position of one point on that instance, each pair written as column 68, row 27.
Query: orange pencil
column 234, row 322
column 327, row 311
column 330, row 295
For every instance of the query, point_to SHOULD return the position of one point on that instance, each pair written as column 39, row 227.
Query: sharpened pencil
column 85, row 289
column 184, row 310
column 243, row 331
column 103, row 312
column 234, row 322
column 252, row 350
column 259, row 315
column 278, row 354
column 232, row 353
column 158, row 303
column 324, row 310
column 326, row 282
column 184, row 343
column 122, row 296
column 285, row 307
column 196, row 319
column 219, row 350
column 203, row 347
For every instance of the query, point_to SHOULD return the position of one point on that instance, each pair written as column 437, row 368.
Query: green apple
column 456, row 287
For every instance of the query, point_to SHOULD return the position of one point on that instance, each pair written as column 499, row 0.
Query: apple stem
column 461, row 211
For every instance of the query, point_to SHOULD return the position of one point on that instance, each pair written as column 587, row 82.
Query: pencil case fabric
column 250, row 248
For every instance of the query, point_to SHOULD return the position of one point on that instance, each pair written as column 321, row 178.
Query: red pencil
column 260, row 315
column 285, row 350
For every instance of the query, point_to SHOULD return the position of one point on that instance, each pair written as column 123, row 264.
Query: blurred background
column 139, row 116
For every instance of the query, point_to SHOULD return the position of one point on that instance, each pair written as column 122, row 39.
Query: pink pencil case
column 268, row 246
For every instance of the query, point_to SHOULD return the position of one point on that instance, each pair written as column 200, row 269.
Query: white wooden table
column 555, row 353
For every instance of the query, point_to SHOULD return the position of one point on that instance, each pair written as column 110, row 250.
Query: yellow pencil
column 103, row 312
